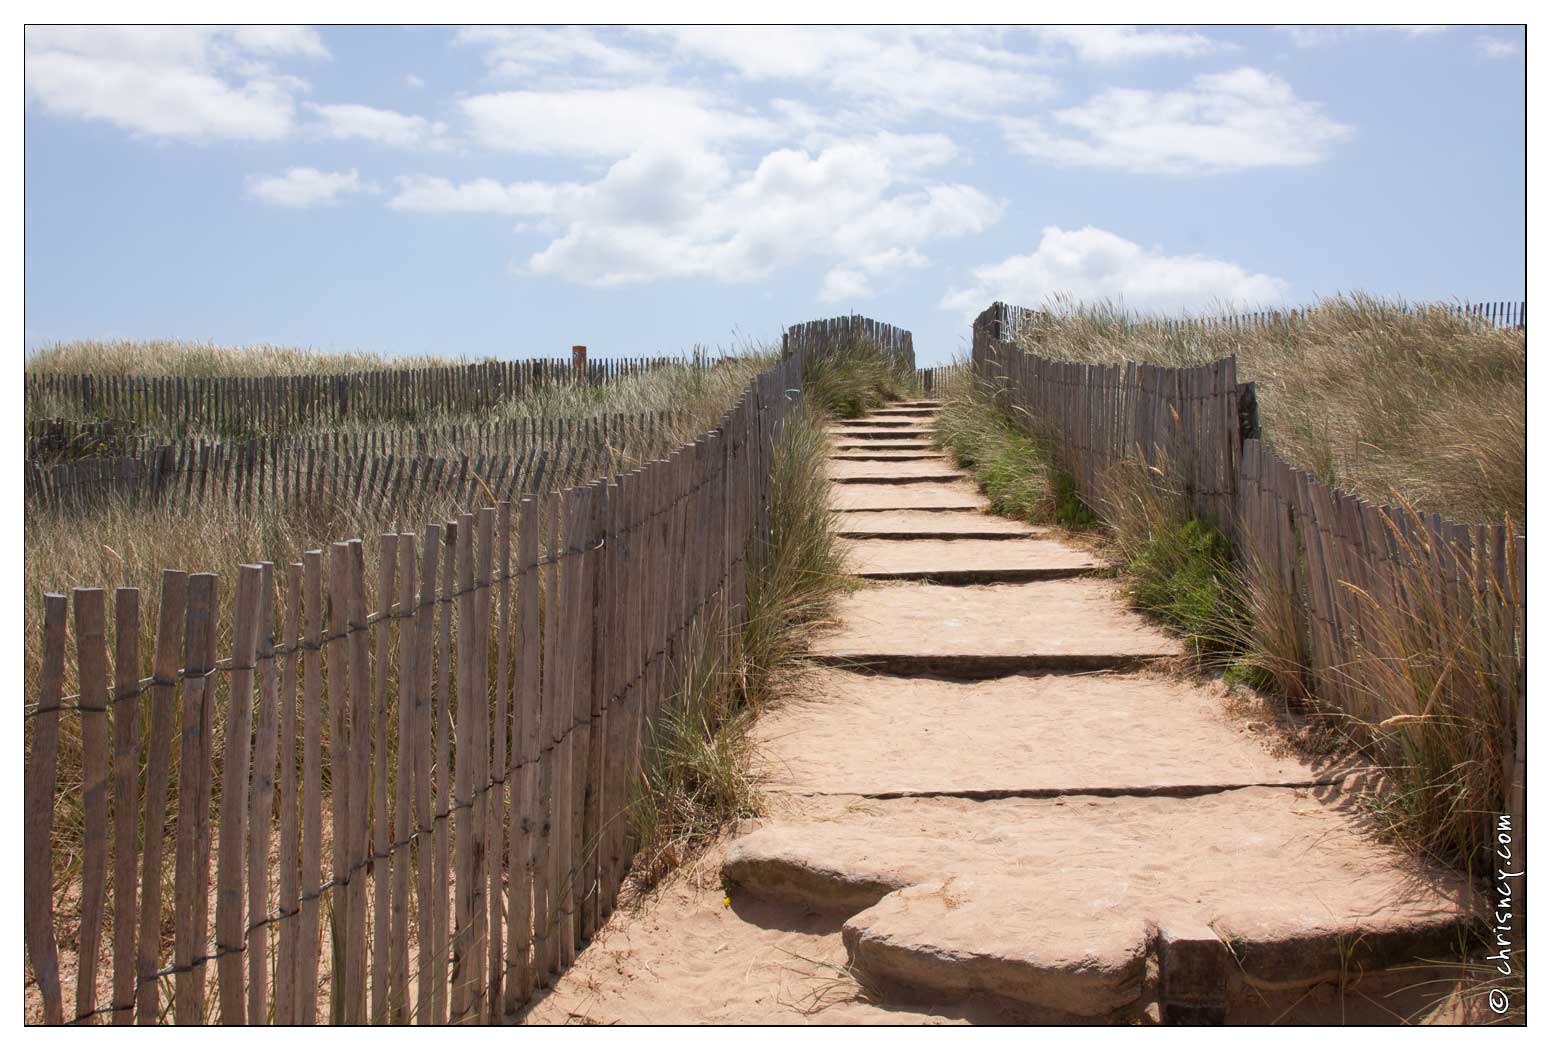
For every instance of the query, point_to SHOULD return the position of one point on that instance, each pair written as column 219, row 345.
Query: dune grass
column 1432, row 702
column 1388, row 400
column 202, row 359
column 700, row 781
column 854, row 378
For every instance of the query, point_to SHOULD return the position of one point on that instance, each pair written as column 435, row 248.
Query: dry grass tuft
column 1374, row 396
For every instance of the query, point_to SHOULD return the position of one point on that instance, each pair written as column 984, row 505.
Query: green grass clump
column 856, row 377
column 1184, row 574
column 1018, row 471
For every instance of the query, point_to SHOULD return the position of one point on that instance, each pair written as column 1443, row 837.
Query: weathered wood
column 382, row 883
column 191, row 880
column 126, row 804
column 261, row 794
column 288, row 948
column 341, row 778
column 308, row 928
column 92, row 676
column 230, row 940
column 163, row 725
column 38, row 819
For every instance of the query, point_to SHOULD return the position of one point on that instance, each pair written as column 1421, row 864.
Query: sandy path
column 985, row 813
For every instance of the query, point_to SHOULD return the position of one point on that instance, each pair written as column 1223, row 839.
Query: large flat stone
column 968, row 561
column 884, row 735
column 974, row 631
column 956, row 496
column 918, row 525
column 969, row 935
column 1291, row 878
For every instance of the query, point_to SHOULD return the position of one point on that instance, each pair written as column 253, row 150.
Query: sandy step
column 901, row 411
column 1054, row 902
column 969, row 561
column 979, row 631
column 872, row 472
column 880, row 422
column 886, row 455
column 942, row 496
column 928, row 525
column 881, row 444
column 864, row 434
column 1031, row 735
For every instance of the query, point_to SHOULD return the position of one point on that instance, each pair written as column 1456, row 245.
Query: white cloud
column 169, row 81
column 1498, row 47
column 1224, row 122
column 574, row 52
column 606, row 122
column 389, row 127
column 668, row 212
column 1091, row 265
column 412, row 81
column 1327, row 36
column 843, row 283
column 1110, row 44
column 303, row 187
column 962, row 72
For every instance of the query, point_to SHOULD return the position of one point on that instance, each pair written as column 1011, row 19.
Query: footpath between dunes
column 994, row 801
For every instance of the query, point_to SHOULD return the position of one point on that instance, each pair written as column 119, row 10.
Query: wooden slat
column 288, row 949
column 38, row 819
column 261, row 792
column 126, row 804
column 230, row 938
column 305, row 1008
column 341, row 776
column 191, row 882
column 382, row 883
column 92, row 675
column 164, row 716
column 424, row 749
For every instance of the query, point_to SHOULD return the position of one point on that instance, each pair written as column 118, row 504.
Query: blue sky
column 514, row 191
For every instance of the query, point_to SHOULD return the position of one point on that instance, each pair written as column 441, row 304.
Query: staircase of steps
column 1000, row 781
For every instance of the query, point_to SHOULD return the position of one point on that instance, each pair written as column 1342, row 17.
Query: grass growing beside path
column 700, row 780
column 1430, row 709
column 854, row 378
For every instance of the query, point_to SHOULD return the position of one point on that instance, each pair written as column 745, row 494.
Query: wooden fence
column 177, row 405
column 373, row 468
column 1340, row 561
column 818, row 337
column 1495, row 315
column 459, row 746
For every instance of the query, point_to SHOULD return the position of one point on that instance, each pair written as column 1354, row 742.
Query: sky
column 515, row 191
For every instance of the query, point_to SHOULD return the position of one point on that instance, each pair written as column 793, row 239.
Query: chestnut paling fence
column 173, row 406
column 377, row 469
column 1343, row 563
column 414, row 796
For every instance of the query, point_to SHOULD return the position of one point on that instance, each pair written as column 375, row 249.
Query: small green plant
column 1071, row 512
column 1184, row 575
